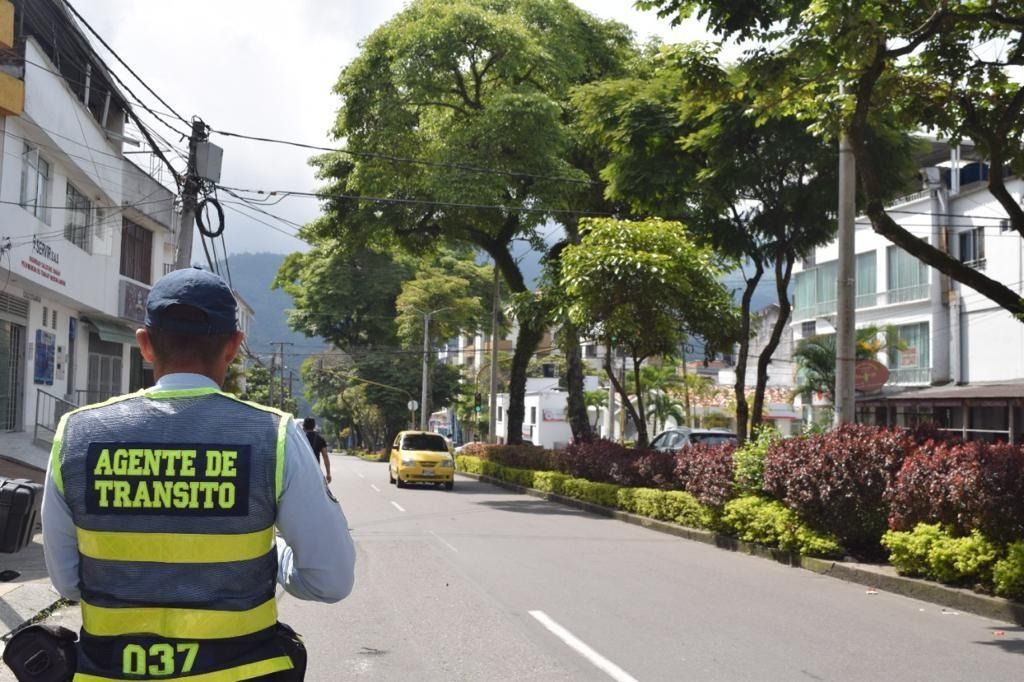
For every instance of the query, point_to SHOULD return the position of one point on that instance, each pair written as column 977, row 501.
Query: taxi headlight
column 408, row 461
column 446, row 464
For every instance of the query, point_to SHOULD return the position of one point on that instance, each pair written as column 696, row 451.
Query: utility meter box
column 208, row 161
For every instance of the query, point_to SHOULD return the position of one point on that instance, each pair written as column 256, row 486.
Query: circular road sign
column 412, row 405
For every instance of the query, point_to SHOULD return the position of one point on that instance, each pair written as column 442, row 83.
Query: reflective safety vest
column 174, row 497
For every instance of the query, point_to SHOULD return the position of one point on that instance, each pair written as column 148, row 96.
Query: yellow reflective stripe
column 58, row 436
column 241, row 672
column 174, row 623
column 174, row 548
column 282, row 437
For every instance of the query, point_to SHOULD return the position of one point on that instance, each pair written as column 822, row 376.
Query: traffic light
column 478, row 403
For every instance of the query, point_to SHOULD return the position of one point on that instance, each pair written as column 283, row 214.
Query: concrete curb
column 883, row 578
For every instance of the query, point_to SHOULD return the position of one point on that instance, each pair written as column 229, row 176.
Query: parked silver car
column 682, row 436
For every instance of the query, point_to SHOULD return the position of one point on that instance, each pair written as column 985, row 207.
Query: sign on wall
column 133, row 301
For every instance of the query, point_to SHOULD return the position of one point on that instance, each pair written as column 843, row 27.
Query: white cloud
column 267, row 68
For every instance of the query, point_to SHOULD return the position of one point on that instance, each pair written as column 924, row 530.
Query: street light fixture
column 426, row 356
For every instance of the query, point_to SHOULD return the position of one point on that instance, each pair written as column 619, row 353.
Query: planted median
column 931, row 506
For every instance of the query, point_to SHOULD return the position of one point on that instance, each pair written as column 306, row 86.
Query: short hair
column 173, row 347
column 308, row 423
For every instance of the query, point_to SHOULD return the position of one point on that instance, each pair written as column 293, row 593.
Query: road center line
column 397, row 506
column 448, row 544
column 360, row 475
column 375, row 487
column 613, row 671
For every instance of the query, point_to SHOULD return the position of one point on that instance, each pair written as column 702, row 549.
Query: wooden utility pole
column 280, row 349
column 189, row 197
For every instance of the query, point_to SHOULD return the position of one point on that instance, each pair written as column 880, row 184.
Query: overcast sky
column 267, row 68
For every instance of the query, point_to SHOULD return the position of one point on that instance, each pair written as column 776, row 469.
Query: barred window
column 136, row 252
column 35, row 183
column 78, row 219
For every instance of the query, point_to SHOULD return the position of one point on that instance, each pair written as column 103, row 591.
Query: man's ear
column 145, row 344
column 233, row 346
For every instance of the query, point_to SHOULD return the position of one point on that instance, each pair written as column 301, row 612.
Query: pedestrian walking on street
column 160, row 509
column 319, row 445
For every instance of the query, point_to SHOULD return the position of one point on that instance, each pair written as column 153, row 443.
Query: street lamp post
column 424, row 412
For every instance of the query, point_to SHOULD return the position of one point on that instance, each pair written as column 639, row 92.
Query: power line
column 123, row 63
column 469, row 168
column 263, row 222
column 421, row 202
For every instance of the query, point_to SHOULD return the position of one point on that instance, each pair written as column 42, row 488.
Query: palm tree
column 661, row 406
column 816, row 356
column 596, row 399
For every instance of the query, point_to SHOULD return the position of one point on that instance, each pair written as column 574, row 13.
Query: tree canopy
column 644, row 286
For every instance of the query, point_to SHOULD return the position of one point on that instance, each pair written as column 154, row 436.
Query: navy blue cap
column 199, row 289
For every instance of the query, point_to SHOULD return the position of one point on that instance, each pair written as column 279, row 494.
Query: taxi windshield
column 424, row 441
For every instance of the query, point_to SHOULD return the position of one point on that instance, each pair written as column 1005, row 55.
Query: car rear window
column 712, row 438
column 424, row 441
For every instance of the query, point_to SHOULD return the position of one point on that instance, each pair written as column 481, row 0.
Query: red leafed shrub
column 706, row 472
column 600, row 460
column 521, row 457
column 656, row 469
column 838, row 481
column 969, row 486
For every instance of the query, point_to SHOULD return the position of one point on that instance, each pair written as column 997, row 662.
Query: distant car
column 421, row 457
column 682, row 436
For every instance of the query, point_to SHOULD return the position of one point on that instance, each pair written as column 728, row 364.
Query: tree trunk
column 579, row 421
column 627, row 404
column 740, row 387
column 783, row 273
column 530, row 334
column 641, row 423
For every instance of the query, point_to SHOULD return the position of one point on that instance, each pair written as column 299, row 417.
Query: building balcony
column 910, row 376
column 918, row 292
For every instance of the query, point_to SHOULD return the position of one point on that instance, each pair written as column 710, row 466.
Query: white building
column 962, row 363
column 85, row 232
column 545, row 422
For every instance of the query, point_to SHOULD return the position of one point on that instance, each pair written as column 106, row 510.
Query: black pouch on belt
column 42, row 653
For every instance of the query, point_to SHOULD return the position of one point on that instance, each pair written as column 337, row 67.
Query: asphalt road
column 484, row 584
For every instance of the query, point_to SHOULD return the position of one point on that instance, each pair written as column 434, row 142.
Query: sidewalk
column 24, row 596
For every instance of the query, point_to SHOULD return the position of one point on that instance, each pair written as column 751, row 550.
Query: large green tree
column 949, row 67
column 477, row 92
column 686, row 140
column 646, row 285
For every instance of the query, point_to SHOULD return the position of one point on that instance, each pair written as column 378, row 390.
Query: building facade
column 956, row 358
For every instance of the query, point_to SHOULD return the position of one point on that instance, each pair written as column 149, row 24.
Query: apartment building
column 84, row 231
column 959, row 361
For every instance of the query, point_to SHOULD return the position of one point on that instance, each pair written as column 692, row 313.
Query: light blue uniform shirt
column 315, row 553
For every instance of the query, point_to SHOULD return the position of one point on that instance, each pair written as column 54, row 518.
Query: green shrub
column 908, row 550
column 523, row 477
column 549, row 481
column 932, row 552
column 749, row 462
column 768, row 522
column 604, row 494
column 1008, row 573
column 469, row 464
column 961, row 560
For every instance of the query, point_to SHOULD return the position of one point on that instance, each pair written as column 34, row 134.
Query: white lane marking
column 448, row 544
column 375, row 487
column 397, row 506
column 613, row 671
column 360, row 475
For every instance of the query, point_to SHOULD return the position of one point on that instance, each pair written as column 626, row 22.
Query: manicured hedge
column 970, row 486
column 838, row 481
column 706, row 472
column 930, row 551
column 770, row 523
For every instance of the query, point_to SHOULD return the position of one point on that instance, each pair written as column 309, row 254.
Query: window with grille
column 972, row 247
column 35, row 183
column 136, row 252
column 78, row 219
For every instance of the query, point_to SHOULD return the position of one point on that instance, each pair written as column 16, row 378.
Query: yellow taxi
column 421, row 457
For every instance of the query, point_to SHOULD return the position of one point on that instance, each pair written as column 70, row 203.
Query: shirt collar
column 183, row 380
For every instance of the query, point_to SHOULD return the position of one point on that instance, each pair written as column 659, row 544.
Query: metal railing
column 910, row 375
column 49, row 410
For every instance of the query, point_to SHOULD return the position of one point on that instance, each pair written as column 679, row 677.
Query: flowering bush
column 706, row 472
column 838, row 481
column 965, row 486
